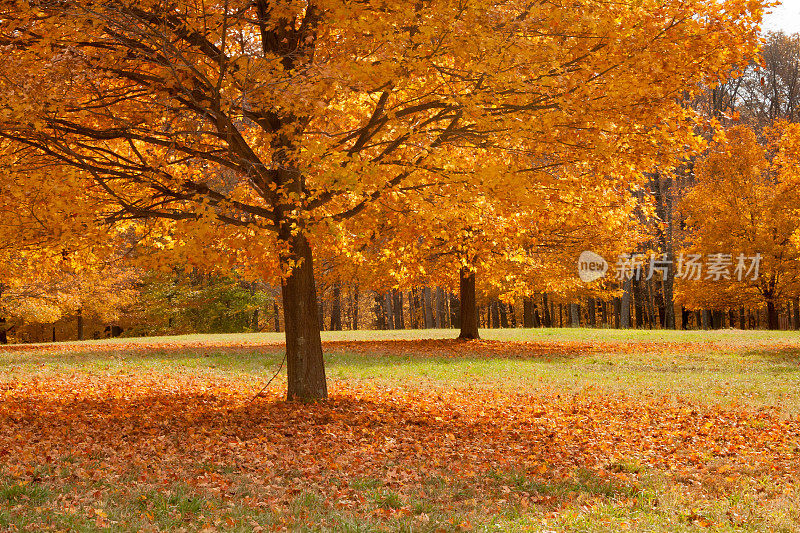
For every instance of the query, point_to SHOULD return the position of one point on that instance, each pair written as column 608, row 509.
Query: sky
column 784, row 17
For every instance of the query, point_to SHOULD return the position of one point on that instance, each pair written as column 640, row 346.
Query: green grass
column 756, row 368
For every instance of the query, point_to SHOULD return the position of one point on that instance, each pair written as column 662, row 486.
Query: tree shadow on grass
column 783, row 354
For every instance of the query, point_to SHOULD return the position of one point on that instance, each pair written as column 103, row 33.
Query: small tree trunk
column 796, row 313
column 388, row 311
column 3, row 333
column 418, row 312
column 380, row 315
column 503, row 315
column 772, row 315
column 305, row 366
column 537, row 317
column 441, row 310
column 356, row 296
column 277, row 312
column 625, row 304
column 575, row 315
column 548, row 315
column 616, row 310
column 336, row 309
column 527, row 312
column 638, row 304
column 80, row 324
column 495, row 314
column 705, row 319
column 591, row 308
column 412, row 311
column 397, row 309
column 468, row 307
column 604, row 311
column 455, row 311
column 427, row 307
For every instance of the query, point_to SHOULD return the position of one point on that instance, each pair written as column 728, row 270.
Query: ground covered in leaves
column 129, row 440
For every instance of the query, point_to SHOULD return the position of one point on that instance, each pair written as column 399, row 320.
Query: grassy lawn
column 526, row 430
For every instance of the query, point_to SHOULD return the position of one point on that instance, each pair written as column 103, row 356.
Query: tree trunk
column 796, row 313
column 455, row 312
column 638, row 304
column 625, row 305
column 336, row 309
column 616, row 310
column 591, row 309
column 427, row 307
column 412, row 311
column 305, row 366
column 772, row 315
column 277, row 317
column 80, row 324
column 503, row 315
column 548, row 314
column 706, row 319
column 527, row 312
column 380, row 314
column 418, row 311
column 3, row 334
column 397, row 309
column 495, row 314
column 388, row 310
column 575, row 315
column 441, row 310
column 356, row 296
column 468, row 307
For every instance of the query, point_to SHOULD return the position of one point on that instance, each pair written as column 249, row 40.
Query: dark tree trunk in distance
column 356, row 294
column 495, row 314
column 80, row 324
column 548, row 315
column 441, row 309
column 625, row 305
column 397, row 309
column 455, row 312
column 336, row 309
column 468, row 307
column 427, row 307
column 305, row 366
column 503, row 315
column 277, row 317
column 772, row 315
column 575, row 315
column 527, row 312
column 380, row 315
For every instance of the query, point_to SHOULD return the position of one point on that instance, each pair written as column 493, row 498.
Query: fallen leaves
column 158, row 429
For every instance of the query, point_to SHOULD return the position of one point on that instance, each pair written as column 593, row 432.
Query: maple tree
column 256, row 125
column 744, row 202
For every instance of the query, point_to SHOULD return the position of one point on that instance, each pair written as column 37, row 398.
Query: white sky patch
column 785, row 17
